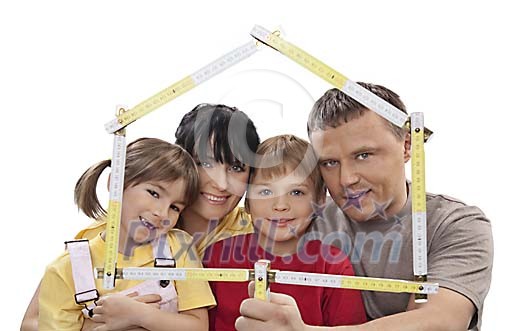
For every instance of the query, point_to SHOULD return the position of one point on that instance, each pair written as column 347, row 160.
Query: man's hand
column 279, row 314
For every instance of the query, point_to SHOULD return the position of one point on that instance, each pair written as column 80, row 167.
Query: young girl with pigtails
column 160, row 180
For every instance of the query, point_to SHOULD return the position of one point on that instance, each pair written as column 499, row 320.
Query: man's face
column 363, row 165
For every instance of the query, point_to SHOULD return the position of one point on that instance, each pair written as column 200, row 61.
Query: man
column 362, row 159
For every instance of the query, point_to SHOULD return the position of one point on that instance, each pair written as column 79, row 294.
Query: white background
column 65, row 65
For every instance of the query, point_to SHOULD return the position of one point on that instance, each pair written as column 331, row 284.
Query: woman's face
column 221, row 186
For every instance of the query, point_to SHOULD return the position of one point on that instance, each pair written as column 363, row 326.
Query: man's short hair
column 336, row 107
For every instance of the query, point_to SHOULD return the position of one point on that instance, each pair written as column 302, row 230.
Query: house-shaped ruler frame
column 419, row 134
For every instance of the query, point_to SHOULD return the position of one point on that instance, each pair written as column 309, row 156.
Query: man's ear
column 407, row 144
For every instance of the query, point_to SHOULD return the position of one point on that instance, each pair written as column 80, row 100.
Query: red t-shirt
column 318, row 305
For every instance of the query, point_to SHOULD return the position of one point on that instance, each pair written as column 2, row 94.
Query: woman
column 222, row 140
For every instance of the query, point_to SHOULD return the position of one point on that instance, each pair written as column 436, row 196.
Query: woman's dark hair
column 223, row 133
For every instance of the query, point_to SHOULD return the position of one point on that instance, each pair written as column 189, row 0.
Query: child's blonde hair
column 147, row 159
column 283, row 154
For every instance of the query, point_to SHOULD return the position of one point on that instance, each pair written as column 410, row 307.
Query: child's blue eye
column 265, row 192
column 175, row 208
column 362, row 156
column 153, row 194
column 296, row 193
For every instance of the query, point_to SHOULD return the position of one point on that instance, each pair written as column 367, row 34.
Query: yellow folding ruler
column 116, row 186
column 419, row 201
column 182, row 86
column 261, row 272
column 263, row 275
column 332, row 76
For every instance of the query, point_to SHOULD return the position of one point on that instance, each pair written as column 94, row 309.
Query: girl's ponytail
column 86, row 191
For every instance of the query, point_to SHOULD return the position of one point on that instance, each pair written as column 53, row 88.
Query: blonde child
column 160, row 181
column 284, row 189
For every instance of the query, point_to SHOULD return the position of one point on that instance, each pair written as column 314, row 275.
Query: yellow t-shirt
column 237, row 222
column 57, row 307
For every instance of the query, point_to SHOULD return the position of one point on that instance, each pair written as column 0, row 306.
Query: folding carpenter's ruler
column 116, row 186
column 419, row 201
column 332, row 76
column 182, row 86
column 263, row 275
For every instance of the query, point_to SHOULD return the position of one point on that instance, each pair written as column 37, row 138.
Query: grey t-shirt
column 459, row 243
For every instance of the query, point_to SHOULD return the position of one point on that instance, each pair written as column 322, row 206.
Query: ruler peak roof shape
column 117, row 127
column 273, row 40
